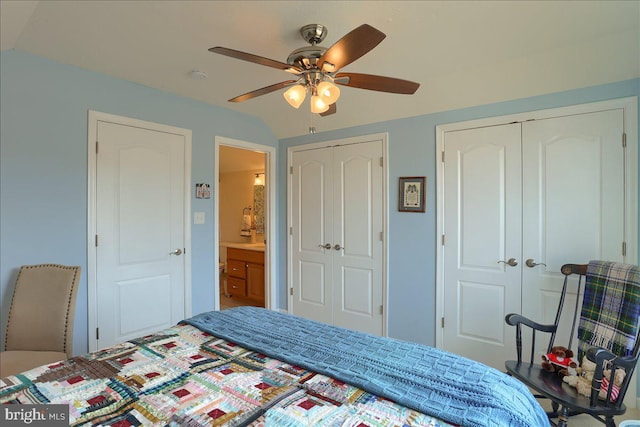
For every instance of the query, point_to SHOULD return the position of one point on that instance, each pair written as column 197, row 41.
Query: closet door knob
column 511, row 262
column 531, row 263
column 326, row 246
column 176, row 252
column 337, row 247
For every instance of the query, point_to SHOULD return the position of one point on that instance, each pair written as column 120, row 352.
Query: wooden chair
column 608, row 334
column 40, row 323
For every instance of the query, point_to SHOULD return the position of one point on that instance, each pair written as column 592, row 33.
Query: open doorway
column 244, row 218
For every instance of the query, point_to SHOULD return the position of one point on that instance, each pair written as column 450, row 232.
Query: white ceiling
column 462, row 53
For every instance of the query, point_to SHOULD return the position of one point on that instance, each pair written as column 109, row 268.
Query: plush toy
column 584, row 375
column 559, row 361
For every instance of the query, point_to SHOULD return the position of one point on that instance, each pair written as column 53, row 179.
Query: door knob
column 176, row 252
column 326, row 246
column 511, row 262
column 337, row 247
column 531, row 263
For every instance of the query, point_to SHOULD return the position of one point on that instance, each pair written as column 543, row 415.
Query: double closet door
column 336, row 235
column 521, row 200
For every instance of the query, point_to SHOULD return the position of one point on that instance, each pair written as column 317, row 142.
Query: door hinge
column 291, row 291
column 96, row 240
column 381, row 310
column 442, row 240
column 381, row 161
column 291, row 231
column 442, row 322
column 382, row 236
column 624, row 140
column 291, row 170
column 442, row 157
column 97, row 333
column 96, row 147
column 624, row 248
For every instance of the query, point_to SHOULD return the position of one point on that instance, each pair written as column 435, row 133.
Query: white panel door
column 140, row 227
column 573, row 203
column 337, row 250
column 572, row 196
column 483, row 231
column 312, row 262
column 357, row 223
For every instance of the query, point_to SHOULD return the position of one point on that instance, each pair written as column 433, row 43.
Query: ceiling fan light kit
column 295, row 95
column 317, row 69
column 318, row 105
column 328, row 91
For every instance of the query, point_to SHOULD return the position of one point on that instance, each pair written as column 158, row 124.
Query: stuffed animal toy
column 559, row 361
column 584, row 375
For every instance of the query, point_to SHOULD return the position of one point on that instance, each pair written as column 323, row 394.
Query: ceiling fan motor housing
column 306, row 57
column 313, row 33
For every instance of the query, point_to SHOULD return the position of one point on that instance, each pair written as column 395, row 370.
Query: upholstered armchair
column 40, row 322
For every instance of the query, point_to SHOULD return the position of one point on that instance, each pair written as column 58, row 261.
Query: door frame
column 270, row 257
column 92, row 254
column 629, row 106
column 384, row 137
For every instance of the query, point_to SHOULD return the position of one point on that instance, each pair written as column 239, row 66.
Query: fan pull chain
column 312, row 128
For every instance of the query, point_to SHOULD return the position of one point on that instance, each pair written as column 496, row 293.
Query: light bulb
column 295, row 95
column 329, row 92
column 318, row 105
column 258, row 180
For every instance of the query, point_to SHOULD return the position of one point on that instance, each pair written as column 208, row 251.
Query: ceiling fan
column 317, row 69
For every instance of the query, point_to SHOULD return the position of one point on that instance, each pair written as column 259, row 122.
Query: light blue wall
column 43, row 175
column 43, row 166
column 412, row 239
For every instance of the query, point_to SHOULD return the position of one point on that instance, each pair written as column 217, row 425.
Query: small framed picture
column 412, row 194
column 203, row 191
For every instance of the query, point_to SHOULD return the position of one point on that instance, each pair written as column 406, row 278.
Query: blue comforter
column 429, row 380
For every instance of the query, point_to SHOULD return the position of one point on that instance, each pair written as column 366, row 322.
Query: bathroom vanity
column 245, row 272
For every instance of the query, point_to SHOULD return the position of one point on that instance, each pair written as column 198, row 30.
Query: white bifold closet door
column 521, row 200
column 337, row 248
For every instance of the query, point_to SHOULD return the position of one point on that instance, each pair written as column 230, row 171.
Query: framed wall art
column 412, row 194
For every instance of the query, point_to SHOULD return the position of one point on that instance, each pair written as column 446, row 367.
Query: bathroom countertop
column 249, row 246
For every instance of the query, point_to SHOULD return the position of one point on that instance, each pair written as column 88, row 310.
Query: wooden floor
column 587, row 421
column 228, row 302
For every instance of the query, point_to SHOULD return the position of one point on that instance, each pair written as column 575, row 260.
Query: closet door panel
column 482, row 227
column 312, row 227
column 357, row 213
column 573, row 201
column 353, row 205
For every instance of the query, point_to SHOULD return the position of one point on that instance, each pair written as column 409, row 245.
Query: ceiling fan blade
column 262, row 91
column 255, row 59
column 332, row 110
column 351, row 47
column 378, row 83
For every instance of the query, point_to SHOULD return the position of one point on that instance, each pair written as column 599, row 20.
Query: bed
column 250, row 366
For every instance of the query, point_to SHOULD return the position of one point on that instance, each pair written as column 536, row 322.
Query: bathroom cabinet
column 245, row 274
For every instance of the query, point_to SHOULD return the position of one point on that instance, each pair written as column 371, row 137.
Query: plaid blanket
column 611, row 308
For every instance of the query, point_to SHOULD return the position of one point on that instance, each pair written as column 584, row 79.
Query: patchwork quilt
column 192, row 375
